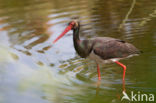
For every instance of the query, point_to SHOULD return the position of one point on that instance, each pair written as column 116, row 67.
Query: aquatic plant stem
column 127, row 15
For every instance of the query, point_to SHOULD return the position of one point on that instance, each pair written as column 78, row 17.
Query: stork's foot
column 98, row 87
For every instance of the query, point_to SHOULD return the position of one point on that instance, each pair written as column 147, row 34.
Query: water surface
column 33, row 71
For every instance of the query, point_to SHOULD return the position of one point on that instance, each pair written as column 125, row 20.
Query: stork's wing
column 114, row 49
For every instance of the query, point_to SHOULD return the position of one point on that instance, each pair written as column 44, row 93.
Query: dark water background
column 31, row 71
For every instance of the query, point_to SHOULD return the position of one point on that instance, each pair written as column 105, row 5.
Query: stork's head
column 74, row 24
column 71, row 26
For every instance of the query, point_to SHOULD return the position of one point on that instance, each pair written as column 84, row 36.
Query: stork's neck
column 81, row 47
column 76, row 40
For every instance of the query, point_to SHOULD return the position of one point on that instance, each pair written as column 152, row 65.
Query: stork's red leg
column 98, row 70
column 124, row 68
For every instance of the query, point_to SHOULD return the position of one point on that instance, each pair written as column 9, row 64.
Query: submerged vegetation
column 127, row 15
column 149, row 18
column 33, row 71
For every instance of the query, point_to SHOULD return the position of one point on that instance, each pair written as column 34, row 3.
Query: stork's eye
column 69, row 23
column 72, row 23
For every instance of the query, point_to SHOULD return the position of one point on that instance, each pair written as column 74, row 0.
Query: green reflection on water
column 34, row 71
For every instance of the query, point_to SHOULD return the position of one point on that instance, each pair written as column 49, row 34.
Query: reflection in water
column 123, row 88
column 54, row 73
column 26, row 29
column 88, row 73
column 98, row 87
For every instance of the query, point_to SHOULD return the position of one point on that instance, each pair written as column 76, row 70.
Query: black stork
column 100, row 49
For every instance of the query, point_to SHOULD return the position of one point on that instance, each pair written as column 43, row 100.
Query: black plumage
column 100, row 49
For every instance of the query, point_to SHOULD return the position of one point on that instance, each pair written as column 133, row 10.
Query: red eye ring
column 72, row 23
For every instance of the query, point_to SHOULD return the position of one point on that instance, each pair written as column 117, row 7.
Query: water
column 33, row 71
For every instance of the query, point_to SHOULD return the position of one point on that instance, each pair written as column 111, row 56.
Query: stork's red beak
column 68, row 28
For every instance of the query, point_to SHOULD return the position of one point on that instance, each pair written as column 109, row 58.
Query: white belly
column 99, row 60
